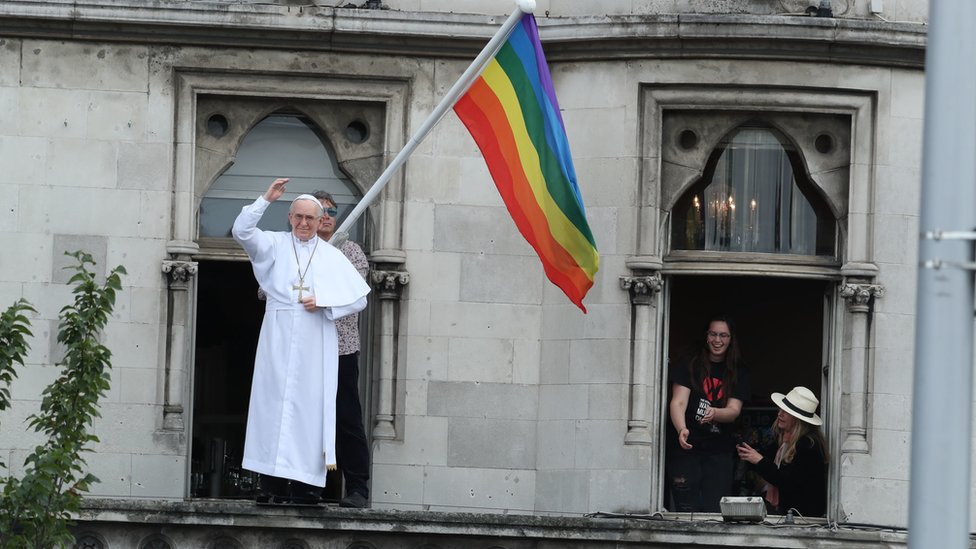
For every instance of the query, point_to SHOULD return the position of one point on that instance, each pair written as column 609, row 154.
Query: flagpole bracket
column 939, row 235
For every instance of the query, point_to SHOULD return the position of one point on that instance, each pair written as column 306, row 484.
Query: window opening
column 229, row 313
column 754, row 197
column 780, row 325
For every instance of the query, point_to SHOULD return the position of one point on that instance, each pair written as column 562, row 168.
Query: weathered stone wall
column 506, row 398
column 875, row 485
column 86, row 150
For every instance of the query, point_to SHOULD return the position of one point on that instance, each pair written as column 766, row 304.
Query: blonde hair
column 800, row 429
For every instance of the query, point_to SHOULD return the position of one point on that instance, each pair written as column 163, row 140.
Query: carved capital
column 859, row 295
column 179, row 272
column 642, row 288
column 389, row 284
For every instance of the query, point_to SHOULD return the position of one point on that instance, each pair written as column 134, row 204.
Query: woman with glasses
column 708, row 389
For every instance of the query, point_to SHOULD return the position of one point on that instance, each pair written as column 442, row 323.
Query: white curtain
column 753, row 203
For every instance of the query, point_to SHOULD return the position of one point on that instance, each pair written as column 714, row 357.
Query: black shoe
column 354, row 500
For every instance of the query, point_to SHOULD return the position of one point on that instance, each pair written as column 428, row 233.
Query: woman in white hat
column 796, row 470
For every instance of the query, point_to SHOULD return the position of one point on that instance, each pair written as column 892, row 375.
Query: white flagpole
column 455, row 93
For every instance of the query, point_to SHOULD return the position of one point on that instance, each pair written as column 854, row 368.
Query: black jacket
column 802, row 483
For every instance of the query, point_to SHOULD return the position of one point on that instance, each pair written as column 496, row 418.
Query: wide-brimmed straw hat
column 799, row 403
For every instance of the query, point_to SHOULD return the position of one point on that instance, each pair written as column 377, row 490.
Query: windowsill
column 220, row 249
column 777, row 521
column 750, row 263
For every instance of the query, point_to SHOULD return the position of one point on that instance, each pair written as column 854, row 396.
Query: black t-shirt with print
column 715, row 436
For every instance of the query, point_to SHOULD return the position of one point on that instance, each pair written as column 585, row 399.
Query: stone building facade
column 132, row 127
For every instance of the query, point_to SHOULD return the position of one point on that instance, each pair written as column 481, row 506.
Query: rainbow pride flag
column 512, row 113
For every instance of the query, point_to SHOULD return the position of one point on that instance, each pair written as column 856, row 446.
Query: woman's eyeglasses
column 716, row 335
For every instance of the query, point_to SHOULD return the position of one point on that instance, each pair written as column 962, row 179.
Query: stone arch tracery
column 768, row 203
column 684, row 166
column 362, row 162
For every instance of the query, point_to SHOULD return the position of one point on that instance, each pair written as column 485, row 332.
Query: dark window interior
column 226, row 339
column 780, row 330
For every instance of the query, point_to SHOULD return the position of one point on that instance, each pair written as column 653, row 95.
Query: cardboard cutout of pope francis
column 309, row 284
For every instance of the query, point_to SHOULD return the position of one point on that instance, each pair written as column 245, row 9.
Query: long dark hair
column 699, row 365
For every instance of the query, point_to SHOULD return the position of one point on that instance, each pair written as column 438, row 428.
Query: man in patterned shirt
column 351, row 446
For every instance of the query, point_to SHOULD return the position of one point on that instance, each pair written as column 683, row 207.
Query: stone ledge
column 200, row 519
column 318, row 28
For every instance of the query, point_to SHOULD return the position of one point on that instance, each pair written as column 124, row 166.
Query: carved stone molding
column 89, row 540
column 179, row 273
column 389, row 284
column 173, row 417
column 642, row 288
column 858, row 295
column 156, row 541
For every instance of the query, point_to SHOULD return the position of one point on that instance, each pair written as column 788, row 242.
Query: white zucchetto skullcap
column 311, row 199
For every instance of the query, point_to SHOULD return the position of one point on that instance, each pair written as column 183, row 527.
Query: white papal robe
column 291, row 416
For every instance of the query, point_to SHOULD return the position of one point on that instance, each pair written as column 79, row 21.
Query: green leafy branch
column 14, row 331
column 35, row 510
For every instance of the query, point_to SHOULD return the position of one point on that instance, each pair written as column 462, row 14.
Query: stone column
column 389, row 288
column 179, row 274
column 644, row 289
column 860, row 296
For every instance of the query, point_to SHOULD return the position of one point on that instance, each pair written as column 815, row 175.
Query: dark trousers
column 352, row 449
column 698, row 480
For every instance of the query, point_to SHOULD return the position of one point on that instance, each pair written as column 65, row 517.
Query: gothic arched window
column 281, row 145
column 754, row 196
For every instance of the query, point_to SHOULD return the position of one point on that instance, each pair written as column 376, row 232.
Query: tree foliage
column 14, row 332
column 35, row 509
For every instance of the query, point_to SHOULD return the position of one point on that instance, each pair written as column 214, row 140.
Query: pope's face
column 304, row 219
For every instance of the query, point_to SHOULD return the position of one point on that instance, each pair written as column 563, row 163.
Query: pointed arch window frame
column 727, row 224
column 850, row 183
column 238, row 197
column 190, row 179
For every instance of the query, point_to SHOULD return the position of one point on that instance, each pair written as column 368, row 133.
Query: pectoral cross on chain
column 299, row 287
column 301, row 276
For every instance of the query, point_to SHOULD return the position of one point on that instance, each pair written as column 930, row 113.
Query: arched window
column 754, row 197
column 281, row 145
